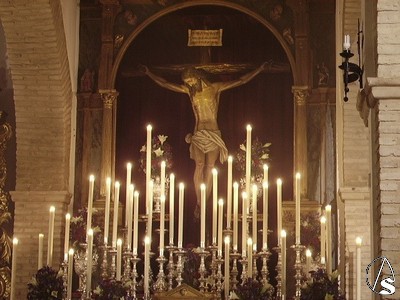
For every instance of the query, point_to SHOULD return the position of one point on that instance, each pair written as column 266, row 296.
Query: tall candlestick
column 254, row 211
column 265, row 216
column 40, row 251
column 107, row 210
column 51, row 237
column 162, row 224
column 244, row 224
column 180, row 221
column 150, row 211
column 171, row 207
column 119, row 260
column 226, row 266
column 162, row 175
column 265, row 169
column 90, row 202
column 146, row 265
column 70, row 272
column 308, row 262
column 328, row 258
column 202, row 216
column 283, row 255
column 279, row 207
column 14, row 268
column 128, row 183
column 323, row 237
column 235, row 215
column 115, row 218
column 297, row 188
column 215, row 206
column 248, row 159
column 220, row 218
column 229, row 194
column 250, row 257
column 66, row 235
column 89, row 263
column 358, row 267
column 135, row 222
column 130, row 213
column 148, row 165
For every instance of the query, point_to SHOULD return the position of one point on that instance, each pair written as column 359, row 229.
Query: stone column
column 107, row 150
column 301, row 94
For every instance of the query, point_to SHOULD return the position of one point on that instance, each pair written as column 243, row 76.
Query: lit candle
column 162, row 224
column 279, row 207
column 248, row 159
column 162, row 175
column 346, row 43
column 297, row 188
column 250, row 257
column 328, row 258
column 130, row 212
column 308, row 262
column 265, row 168
column 244, row 224
column 323, row 229
column 265, row 215
column 135, row 222
column 215, row 206
column 283, row 255
column 66, row 235
column 14, row 268
column 51, row 237
column 220, row 218
column 202, row 216
column 89, row 263
column 119, row 260
column 146, row 266
column 254, row 219
column 107, row 210
column 229, row 194
column 90, row 202
column 358, row 267
column 40, row 252
column 115, row 218
column 148, row 165
column 171, row 208
column 150, row 211
column 180, row 220
column 226, row 266
column 70, row 272
column 128, row 183
column 235, row 215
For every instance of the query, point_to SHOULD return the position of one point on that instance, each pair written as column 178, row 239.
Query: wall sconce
column 352, row 71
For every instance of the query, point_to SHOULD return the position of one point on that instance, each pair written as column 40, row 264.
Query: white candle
column 346, row 43
column 323, row 229
column 328, row 257
column 148, row 165
column 180, row 221
column 90, row 202
column 89, row 263
column 229, row 194
column 248, row 159
column 135, row 221
column 244, row 224
column 220, row 229
column 308, row 262
column 265, row 215
column 119, row 260
column 127, row 191
column 226, row 265
column 265, row 169
column 283, row 253
column 162, row 224
column 254, row 219
column 150, row 211
column 146, row 265
column 66, row 235
column 14, row 268
column 70, row 272
column 107, row 210
column 358, row 267
column 115, row 218
column 171, row 208
column 130, row 213
column 235, row 215
column 250, row 257
column 40, row 251
column 215, row 206
column 279, row 207
column 297, row 188
column 162, row 183
column 202, row 216
column 51, row 237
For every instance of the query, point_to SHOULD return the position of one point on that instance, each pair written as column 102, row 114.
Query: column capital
column 109, row 97
column 301, row 94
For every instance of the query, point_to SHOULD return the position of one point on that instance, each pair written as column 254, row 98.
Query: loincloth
column 207, row 141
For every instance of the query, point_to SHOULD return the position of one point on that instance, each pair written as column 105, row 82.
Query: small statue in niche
column 87, row 81
column 323, row 74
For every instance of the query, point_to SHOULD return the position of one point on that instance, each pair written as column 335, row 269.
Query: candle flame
column 181, row 186
column 244, row 195
column 298, row 175
column 147, row 240
column 249, row 241
column 265, row 167
column 265, row 184
column 235, row 185
column 328, row 207
column 90, row 231
column 119, row 242
column 162, row 198
column 117, row 184
column 136, row 194
column 41, row 235
column 202, row 187
column 52, row 209
column 149, row 128
column 68, row 216
column 220, row 202
column 308, row 253
column 91, row 178
column 358, row 241
column 71, row 251
column 283, row 233
column 323, row 219
column 248, row 127
column 163, row 164
column 108, row 180
column 279, row 181
column 15, row 241
column 129, row 166
column 230, row 158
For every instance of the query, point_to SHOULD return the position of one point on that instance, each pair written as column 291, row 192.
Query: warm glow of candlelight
column 358, row 241
column 202, row 216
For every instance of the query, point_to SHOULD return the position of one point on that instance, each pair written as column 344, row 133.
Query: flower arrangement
column 110, row 289
column 46, row 284
column 78, row 228
column 161, row 150
column 253, row 290
column 322, row 286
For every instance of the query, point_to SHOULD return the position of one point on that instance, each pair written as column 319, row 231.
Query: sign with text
column 204, row 37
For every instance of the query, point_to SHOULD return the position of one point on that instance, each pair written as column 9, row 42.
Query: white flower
column 162, row 138
column 267, row 145
column 242, row 147
column 159, row 152
column 143, row 149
